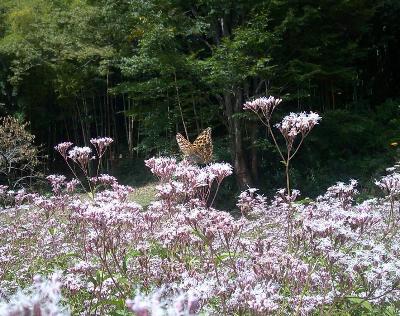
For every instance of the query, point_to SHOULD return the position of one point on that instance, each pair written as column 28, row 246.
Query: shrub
column 19, row 156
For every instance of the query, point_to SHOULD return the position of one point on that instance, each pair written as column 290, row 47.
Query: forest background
column 141, row 71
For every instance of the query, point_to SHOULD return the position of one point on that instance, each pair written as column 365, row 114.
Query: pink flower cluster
column 184, row 182
column 101, row 143
column 162, row 167
column 297, row 123
column 62, row 148
column 390, row 183
column 81, row 155
column 263, row 104
column 60, row 184
column 250, row 201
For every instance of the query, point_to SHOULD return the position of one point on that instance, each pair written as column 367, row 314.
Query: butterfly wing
column 184, row 145
column 203, row 147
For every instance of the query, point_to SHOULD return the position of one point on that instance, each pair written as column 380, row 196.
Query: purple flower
column 220, row 170
column 263, row 104
column 162, row 167
column 62, row 148
column 390, row 183
column 297, row 123
column 80, row 155
column 104, row 179
column 249, row 201
column 3, row 189
column 56, row 181
column 101, row 143
column 71, row 185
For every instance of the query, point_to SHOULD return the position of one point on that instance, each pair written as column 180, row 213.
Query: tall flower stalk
column 294, row 128
column 81, row 156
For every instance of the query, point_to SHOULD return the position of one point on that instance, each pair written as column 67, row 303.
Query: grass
column 144, row 195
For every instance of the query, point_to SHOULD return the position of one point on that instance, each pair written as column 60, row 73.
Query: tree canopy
column 141, row 71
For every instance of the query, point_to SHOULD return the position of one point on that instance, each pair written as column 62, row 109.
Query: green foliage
column 349, row 144
column 357, row 306
column 72, row 66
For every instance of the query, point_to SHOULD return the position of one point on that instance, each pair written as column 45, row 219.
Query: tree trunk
column 94, row 111
column 233, row 105
column 253, row 152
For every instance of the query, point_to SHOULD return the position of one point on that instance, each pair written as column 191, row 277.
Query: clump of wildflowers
column 101, row 143
column 264, row 105
column 390, row 184
column 162, row 167
column 62, row 148
column 297, row 124
column 81, row 155
column 220, row 170
column 291, row 126
column 56, row 181
column 250, row 201
column 192, row 259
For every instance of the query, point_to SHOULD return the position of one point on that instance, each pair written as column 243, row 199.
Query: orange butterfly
column 201, row 150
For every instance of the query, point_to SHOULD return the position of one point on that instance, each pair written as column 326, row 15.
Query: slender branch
column 303, row 136
column 179, row 105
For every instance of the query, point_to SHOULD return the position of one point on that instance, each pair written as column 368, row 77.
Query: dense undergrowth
column 106, row 255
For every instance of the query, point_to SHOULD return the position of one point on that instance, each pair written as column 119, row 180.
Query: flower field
column 102, row 254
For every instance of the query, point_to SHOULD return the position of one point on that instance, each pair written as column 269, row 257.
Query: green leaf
column 364, row 304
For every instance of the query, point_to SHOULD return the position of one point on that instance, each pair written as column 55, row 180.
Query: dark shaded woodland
column 141, row 71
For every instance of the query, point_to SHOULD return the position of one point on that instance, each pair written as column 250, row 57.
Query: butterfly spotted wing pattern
column 184, row 145
column 203, row 146
column 201, row 150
